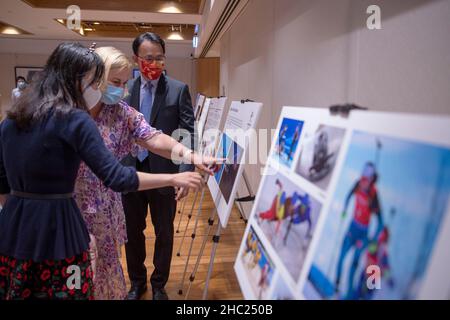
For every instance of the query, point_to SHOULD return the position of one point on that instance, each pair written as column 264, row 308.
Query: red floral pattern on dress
column 26, row 279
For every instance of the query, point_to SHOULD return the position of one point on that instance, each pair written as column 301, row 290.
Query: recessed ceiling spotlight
column 170, row 8
column 10, row 30
column 175, row 34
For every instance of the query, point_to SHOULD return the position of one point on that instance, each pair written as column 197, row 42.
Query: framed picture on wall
column 27, row 72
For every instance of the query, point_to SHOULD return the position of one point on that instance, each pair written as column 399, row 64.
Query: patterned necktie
column 146, row 110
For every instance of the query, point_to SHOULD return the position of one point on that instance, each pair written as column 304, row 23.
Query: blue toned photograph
column 287, row 141
column 222, row 152
column 386, row 214
column 230, row 170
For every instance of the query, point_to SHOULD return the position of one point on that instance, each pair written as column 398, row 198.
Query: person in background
column 44, row 240
column 21, row 84
column 124, row 130
column 166, row 105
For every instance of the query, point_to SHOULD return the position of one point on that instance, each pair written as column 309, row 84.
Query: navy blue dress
column 44, row 159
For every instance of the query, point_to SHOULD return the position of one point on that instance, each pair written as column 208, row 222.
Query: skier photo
column 287, row 141
column 387, row 210
column 318, row 154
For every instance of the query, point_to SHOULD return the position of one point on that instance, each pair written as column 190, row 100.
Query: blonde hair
column 113, row 59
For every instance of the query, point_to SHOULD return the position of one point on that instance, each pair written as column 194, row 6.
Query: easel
column 180, row 291
column 250, row 197
column 189, row 220
column 181, row 212
column 197, row 117
column 216, row 237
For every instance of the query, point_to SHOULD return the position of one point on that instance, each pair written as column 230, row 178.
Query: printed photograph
column 257, row 265
column 318, row 154
column 287, row 141
column 222, row 152
column 387, row 210
column 230, row 170
column 288, row 216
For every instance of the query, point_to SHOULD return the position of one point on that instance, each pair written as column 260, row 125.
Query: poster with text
column 198, row 107
column 203, row 116
column 241, row 119
column 211, row 129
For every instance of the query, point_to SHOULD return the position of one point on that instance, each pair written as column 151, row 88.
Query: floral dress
column 120, row 127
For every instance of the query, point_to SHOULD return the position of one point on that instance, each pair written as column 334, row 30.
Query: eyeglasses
column 150, row 59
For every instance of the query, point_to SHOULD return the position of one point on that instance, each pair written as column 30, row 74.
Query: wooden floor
column 223, row 284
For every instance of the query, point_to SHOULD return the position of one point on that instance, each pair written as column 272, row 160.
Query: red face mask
column 149, row 70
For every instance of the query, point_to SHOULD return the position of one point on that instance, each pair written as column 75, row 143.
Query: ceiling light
column 175, row 36
column 175, row 33
column 97, row 23
column 10, row 30
column 60, row 21
column 81, row 31
column 88, row 29
column 170, row 8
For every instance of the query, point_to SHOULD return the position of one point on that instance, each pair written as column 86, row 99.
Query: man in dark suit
column 166, row 104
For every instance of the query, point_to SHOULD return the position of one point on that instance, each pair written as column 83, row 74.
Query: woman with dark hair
column 124, row 131
column 44, row 241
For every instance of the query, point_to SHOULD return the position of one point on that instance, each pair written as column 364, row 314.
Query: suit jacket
column 172, row 110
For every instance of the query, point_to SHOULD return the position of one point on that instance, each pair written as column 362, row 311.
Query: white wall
column 34, row 53
column 319, row 52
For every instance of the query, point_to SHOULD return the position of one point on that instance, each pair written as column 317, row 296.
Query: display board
column 203, row 116
column 199, row 101
column 211, row 130
column 351, row 208
column 242, row 118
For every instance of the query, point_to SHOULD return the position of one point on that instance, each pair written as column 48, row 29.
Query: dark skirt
column 42, row 229
column 67, row 279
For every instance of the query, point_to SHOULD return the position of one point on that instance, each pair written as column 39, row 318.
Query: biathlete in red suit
column 366, row 205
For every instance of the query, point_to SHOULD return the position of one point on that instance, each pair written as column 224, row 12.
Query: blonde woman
column 124, row 130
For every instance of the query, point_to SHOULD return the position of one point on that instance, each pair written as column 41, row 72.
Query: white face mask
column 91, row 97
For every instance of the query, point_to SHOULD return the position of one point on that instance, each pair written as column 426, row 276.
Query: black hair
column 20, row 78
column 59, row 86
column 149, row 36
